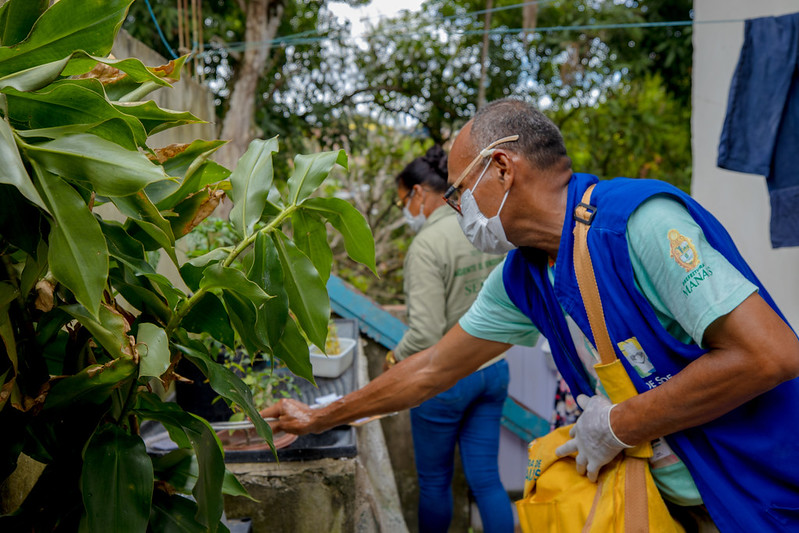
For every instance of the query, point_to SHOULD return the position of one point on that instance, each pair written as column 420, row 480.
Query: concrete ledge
column 330, row 495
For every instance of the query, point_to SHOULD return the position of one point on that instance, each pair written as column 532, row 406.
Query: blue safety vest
column 745, row 463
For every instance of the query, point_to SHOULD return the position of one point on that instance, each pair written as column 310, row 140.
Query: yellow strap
column 589, row 521
column 636, row 510
column 586, row 280
column 636, row 506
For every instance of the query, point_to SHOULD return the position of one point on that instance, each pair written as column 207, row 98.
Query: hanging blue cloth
column 761, row 130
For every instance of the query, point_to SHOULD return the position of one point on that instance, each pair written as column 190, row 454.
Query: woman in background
column 443, row 273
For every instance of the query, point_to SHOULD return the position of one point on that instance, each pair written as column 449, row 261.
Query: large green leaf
column 310, row 171
column 251, row 181
column 12, row 171
column 192, row 270
column 165, row 288
column 153, row 347
column 155, row 119
column 68, row 25
column 308, row 297
column 78, row 255
column 130, row 68
column 115, row 130
column 243, row 315
column 351, row 224
column 310, row 236
column 228, row 385
column 267, row 272
column 93, row 384
column 71, row 102
column 209, row 316
column 110, row 330
column 208, row 489
column 217, row 278
column 174, row 514
column 125, row 249
column 131, row 89
column 180, row 164
column 143, row 297
column 186, row 164
column 179, row 468
column 117, row 481
column 190, row 212
column 146, row 215
column 39, row 76
column 107, row 167
column 36, row 77
column 293, row 350
column 17, row 18
column 206, row 173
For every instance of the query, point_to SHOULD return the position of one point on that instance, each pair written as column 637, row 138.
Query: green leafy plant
column 267, row 384
column 87, row 324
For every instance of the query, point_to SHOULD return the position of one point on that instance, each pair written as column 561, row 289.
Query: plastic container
column 333, row 365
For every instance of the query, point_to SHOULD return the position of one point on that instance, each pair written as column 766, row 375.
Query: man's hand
column 592, row 437
column 292, row 417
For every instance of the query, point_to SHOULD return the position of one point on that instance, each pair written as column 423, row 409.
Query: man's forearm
column 406, row 385
column 411, row 381
column 752, row 351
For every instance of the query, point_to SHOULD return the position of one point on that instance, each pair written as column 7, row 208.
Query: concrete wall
column 532, row 383
column 740, row 201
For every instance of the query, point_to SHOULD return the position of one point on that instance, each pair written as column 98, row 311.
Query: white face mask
column 486, row 234
column 415, row 222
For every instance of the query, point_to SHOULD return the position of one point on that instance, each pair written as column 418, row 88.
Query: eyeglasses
column 401, row 201
column 453, row 194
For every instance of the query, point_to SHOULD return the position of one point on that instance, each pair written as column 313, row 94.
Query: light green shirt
column 686, row 302
column 443, row 273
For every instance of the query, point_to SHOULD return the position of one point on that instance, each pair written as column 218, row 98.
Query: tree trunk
column 529, row 21
column 262, row 20
column 481, row 91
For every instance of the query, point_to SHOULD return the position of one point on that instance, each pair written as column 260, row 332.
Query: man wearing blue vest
column 710, row 354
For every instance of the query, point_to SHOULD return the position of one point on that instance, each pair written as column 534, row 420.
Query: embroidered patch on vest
column 636, row 356
column 683, row 250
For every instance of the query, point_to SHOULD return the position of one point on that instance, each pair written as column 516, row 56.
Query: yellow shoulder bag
column 624, row 499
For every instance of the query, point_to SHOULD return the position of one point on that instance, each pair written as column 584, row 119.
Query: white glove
column 592, row 437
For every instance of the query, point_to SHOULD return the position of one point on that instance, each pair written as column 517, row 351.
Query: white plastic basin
column 332, row 365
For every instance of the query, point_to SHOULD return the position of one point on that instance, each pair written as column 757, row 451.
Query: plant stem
column 140, row 92
column 243, row 245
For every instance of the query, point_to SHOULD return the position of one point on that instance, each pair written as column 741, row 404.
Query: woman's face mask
column 485, row 234
column 415, row 222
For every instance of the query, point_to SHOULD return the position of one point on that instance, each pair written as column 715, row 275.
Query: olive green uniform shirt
column 443, row 274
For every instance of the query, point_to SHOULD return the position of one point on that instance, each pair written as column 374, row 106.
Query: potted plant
column 87, row 324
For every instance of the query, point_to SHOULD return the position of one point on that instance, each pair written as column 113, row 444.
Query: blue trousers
column 467, row 414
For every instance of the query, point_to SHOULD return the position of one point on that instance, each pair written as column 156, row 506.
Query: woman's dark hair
column 429, row 170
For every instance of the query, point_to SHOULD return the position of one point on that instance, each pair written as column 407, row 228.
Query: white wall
column 739, row 201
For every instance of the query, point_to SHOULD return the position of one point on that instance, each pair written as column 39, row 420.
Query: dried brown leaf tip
column 167, row 152
column 44, row 295
column 206, row 208
column 165, row 70
column 105, row 74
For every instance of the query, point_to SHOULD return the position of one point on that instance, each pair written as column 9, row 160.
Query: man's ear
column 506, row 167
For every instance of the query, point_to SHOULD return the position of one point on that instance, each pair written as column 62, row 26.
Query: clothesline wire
column 287, row 41
column 160, row 32
column 290, row 39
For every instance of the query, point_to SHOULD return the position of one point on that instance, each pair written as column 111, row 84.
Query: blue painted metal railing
column 387, row 330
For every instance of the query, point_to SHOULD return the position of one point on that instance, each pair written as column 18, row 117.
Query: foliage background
column 621, row 95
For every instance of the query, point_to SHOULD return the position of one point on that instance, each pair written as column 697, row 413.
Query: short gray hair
column 539, row 141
